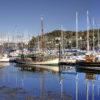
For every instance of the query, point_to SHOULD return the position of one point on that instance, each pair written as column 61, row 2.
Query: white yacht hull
column 49, row 62
column 4, row 60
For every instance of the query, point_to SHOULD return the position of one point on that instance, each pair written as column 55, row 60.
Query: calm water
column 45, row 85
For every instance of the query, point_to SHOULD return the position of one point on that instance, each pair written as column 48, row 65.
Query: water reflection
column 42, row 84
column 90, row 77
column 3, row 64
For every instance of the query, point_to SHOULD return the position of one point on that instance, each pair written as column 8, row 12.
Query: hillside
column 69, row 39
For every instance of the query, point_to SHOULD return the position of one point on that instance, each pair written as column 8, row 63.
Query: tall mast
column 93, row 34
column 98, row 38
column 76, row 30
column 88, row 48
column 29, row 40
column 38, row 43
column 8, row 41
column 42, row 34
column 62, row 39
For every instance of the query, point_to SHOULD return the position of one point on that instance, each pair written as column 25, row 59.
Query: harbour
column 49, row 50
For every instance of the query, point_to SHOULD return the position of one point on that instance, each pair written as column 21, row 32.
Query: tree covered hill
column 69, row 39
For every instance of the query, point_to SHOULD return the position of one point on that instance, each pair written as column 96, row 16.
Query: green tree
column 32, row 42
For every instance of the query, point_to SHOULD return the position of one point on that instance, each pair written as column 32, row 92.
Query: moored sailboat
column 91, row 58
column 72, row 57
column 41, row 57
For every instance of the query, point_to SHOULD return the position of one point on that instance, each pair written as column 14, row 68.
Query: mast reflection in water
column 40, row 84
